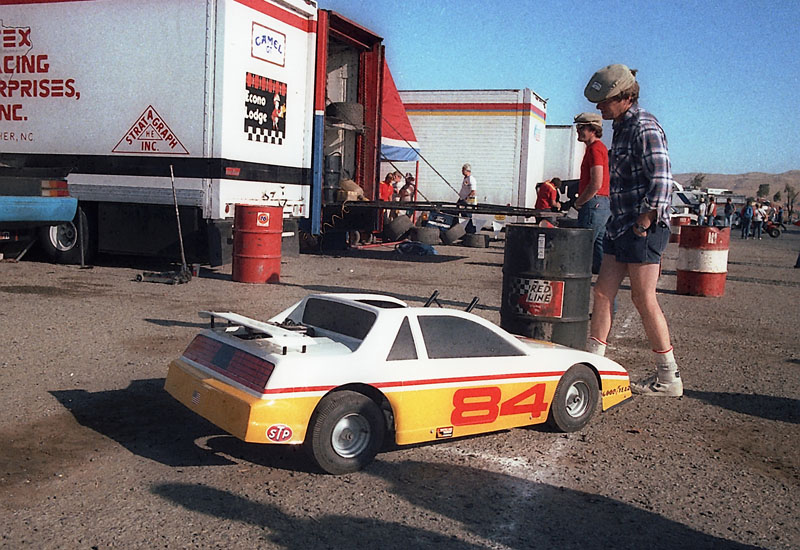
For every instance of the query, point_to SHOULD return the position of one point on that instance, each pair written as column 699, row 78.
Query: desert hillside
column 748, row 183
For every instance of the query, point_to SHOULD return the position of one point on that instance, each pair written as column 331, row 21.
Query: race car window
column 338, row 317
column 403, row 347
column 453, row 337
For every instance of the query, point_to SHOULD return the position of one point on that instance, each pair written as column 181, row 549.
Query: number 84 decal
column 483, row 405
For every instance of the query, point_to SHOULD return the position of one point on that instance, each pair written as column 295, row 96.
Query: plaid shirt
column 641, row 176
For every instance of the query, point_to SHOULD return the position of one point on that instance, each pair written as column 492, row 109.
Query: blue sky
column 722, row 77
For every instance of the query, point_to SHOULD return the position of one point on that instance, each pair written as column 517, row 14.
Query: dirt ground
column 94, row 454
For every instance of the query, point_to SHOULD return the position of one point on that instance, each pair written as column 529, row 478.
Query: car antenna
column 472, row 304
column 433, row 299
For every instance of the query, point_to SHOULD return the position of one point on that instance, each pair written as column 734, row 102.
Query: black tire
column 348, row 112
column 60, row 242
column 345, row 432
column 452, row 235
column 774, row 232
column 575, row 399
column 425, row 235
column 476, row 240
column 398, row 228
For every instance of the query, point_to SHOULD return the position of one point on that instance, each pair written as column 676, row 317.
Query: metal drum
column 257, row 234
column 675, row 227
column 547, row 280
column 703, row 260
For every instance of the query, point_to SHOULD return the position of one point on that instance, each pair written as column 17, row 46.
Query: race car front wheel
column 575, row 399
column 345, row 432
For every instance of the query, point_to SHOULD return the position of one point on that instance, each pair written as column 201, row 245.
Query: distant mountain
column 746, row 184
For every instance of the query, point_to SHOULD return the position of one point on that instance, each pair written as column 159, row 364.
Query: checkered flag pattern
column 518, row 287
column 265, row 109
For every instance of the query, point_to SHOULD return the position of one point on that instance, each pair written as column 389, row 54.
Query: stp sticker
column 263, row 219
column 279, row 433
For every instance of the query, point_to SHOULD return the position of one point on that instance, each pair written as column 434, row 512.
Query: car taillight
column 54, row 188
column 242, row 367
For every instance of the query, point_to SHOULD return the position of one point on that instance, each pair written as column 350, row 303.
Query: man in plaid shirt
column 638, row 230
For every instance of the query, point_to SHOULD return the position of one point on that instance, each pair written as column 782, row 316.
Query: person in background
column 468, row 194
column 729, row 209
column 711, row 211
column 408, row 191
column 385, row 193
column 759, row 215
column 547, row 199
column 592, row 203
column 701, row 211
column 638, row 229
column 746, row 216
column 469, row 190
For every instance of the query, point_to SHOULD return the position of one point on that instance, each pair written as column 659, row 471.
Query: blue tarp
column 37, row 209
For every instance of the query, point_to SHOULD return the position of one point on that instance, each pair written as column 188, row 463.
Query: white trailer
column 501, row 133
column 230, row 94
column 564, row 153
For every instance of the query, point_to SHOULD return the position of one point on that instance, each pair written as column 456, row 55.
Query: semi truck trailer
column 109, row 105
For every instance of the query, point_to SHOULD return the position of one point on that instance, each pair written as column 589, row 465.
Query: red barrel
column 675, row 227
column 703, row 260
column 257, row 234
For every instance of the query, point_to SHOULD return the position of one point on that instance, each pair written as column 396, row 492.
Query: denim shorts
column 630, row 248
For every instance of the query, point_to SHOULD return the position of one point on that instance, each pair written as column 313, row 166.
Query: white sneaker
column 652, row 386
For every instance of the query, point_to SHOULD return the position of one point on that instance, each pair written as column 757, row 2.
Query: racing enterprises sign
column 538, row 297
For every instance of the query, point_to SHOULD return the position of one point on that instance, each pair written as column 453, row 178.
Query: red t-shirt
column 596, row 155
column 386, row 191
column 547, row 196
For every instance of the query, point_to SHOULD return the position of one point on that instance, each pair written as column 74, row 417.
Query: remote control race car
column 339, row 373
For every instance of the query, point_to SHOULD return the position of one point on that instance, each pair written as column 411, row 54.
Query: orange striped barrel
column 675, row 227
column 703, row 260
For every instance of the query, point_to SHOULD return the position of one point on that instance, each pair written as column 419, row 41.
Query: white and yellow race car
column 341, row 372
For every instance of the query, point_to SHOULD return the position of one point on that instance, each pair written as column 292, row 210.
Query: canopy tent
column 398, row 142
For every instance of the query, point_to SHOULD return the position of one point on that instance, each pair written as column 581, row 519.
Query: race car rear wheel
column 575, row 399
column 345, row 432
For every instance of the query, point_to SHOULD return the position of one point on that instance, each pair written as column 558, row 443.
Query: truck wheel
column 60, row 242
column 575, row 399
column 345, row 432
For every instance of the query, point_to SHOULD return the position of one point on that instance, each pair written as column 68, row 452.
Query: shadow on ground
column 492, row 509
column 769, row 407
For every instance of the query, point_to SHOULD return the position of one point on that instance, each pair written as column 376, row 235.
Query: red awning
column 398, row 142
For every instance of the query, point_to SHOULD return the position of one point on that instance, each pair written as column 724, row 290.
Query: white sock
column 666, row 366
column 596, row 346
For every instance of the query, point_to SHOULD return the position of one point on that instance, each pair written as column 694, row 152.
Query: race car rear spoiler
column 285, row 338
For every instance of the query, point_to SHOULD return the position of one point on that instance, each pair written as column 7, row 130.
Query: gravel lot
column 95, row 454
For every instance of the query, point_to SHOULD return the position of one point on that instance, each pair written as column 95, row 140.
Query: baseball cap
column 609, row 82
column 467, row 167
column 593, row 119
